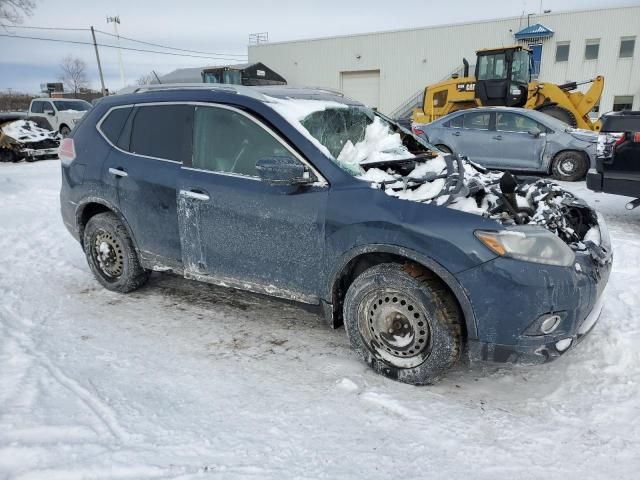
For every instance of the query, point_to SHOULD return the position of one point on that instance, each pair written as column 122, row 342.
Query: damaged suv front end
column 541, row 292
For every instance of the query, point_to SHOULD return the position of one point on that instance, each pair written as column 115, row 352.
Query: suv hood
column 454, row 182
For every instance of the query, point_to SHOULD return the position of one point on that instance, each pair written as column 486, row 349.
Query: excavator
column 503, row 77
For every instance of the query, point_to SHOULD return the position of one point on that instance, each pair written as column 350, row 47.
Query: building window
column 562, row 51
column 591, row 49
column 627, row 46
column 622, row 102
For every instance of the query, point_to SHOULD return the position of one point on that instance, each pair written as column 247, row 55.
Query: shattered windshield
column 351, row 135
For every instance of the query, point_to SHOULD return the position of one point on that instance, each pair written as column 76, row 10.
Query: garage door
column 363, row 86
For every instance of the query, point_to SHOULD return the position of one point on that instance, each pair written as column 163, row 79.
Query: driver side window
column 228, row 142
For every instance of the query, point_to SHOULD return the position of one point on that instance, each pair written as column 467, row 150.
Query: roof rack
column 155, row 87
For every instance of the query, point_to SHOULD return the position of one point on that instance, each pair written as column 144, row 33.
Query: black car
column 618, row 157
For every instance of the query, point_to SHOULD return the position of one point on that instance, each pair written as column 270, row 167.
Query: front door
column 518, row 142
column 237, row 230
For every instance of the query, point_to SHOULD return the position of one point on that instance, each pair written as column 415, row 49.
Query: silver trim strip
column 117, row 172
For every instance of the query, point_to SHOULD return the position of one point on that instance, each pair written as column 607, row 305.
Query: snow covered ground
column 187, row 380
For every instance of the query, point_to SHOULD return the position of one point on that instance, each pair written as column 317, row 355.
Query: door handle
column 456, row 134
column 118, row 172
column 195, row 195
column 497, row 137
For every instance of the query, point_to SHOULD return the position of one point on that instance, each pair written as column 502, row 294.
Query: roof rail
column 155, row 87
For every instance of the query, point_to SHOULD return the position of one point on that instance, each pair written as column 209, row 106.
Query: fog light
column 550, row 324
column 563, row 344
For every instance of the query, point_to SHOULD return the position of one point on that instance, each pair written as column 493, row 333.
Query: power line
column 172, row 48
column 49, row 28
column 78, row 42
column 132, row 40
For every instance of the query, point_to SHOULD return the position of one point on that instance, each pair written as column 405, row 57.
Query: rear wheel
column 403, row 323
column 111, row 254
column 569, row 166
column 443, row 148
column 7, row 155
column 561, row 114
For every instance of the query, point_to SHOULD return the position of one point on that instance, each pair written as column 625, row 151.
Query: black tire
column 390, row 298
column 560, row 113
column 569, row 166
column 64, row 130
column 7, row 155
column 111, row 254
column 443, row 148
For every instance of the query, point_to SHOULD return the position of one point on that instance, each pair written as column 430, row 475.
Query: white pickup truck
column 61, row 113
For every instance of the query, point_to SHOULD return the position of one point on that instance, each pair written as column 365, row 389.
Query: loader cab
column 502, row 76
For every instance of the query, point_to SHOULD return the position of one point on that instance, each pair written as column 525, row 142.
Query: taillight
column 620, row 139
column 67, row 150
column 636, row 137
column 418, row 131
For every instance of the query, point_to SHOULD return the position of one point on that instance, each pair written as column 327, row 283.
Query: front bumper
column 509, row 296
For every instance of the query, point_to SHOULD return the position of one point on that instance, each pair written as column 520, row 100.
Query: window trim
column 564, row 43
column 590, row 42
column 627, row 38
column 322, row 181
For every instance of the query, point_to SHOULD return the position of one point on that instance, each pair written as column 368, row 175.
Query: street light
column 116, row 21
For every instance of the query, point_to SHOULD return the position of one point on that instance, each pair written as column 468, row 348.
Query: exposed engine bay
column 454, row 182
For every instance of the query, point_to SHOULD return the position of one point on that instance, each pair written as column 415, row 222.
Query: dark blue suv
column 306, row 195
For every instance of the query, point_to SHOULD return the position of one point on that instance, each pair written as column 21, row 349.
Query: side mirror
column 535, row 132
column 283, row 171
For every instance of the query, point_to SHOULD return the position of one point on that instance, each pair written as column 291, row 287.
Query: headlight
column 530, row 244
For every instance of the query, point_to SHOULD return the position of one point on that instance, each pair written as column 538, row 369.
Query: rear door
column 237, row 230
column 474, row 139
column 514, row 144
column 144, row 167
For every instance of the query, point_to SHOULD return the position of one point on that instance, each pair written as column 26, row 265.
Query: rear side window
column 37, row 107
column 163, row 131
column 456, row 122
column 512, row 122
column 114, row 122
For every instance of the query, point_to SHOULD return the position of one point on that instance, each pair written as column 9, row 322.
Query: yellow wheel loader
column 503, row 77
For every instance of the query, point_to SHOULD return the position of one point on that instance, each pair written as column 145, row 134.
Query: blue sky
column 223, row 26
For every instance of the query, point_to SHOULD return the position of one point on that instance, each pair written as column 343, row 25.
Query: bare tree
column 74, row 73
column 147, row 79
column 13, row 11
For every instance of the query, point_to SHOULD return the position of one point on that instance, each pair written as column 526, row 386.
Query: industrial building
column 389, row 70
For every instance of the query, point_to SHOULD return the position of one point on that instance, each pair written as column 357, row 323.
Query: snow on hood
column 26, row 131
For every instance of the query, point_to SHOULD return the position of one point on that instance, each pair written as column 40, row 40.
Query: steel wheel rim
column 567, row 167
column 108, row 255
column 395, row 327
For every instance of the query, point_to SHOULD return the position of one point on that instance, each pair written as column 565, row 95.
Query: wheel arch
column 62, row 125
column 93, row 206
column 355, row 261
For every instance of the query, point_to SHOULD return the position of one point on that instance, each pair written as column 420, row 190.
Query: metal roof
column 534, row 31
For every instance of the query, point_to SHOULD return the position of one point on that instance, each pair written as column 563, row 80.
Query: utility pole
column 95, row 45
column 116, row 21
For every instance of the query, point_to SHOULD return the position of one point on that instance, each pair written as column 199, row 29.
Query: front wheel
column 569, row 166
column 403, row 323
column 64, row 130
column 111, row 254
